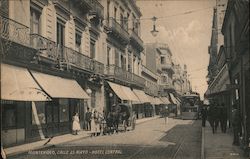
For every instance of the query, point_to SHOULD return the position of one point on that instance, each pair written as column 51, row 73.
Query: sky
column 186, row 26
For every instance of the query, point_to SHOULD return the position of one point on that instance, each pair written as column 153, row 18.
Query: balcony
column 125, row 76
column 98, row 67
column 47, row 50
column 136, row 40
column 138, row 80
column 72, row 59
column 149, row 72
column 166, row 86
column 50, row 52
column 14, row 31
column 167, row 67
column 15, row 41
column 151, row 88
column 118, row 31
column 97, row 9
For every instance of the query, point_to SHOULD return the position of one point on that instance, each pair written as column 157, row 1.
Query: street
column 151, row 139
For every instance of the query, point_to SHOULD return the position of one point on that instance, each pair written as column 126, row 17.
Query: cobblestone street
column 152, row 139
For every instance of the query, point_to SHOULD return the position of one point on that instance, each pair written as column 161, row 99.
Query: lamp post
column 154, row 32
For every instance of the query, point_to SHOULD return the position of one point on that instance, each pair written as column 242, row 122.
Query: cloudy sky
column 185, row 25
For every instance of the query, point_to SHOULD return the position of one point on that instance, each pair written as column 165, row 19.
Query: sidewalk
column 219, row 145
column 15, row 150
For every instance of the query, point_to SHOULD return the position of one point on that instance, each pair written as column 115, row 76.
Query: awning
column 174, row 100
column 118, row 91
column 141, row 95
column 17, row 84
column 58, row 87
column 165, row 100
column 150, row 99
column 157, row 101
column 220, row 82
column 129, row 93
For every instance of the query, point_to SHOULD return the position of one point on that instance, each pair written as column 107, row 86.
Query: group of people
column 217, row 114
column 105, row 123
column 101, row 123
column 94, row 122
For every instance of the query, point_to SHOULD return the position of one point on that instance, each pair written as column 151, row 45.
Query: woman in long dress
column 95, row 126
column 76, row 125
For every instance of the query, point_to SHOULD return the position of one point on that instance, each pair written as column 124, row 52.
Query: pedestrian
column 236, row 124
column 216, row 116
column 88, row 119
column 204, row 115
column 211, row 116
column 223, row 118
column 95, row 128
column 133, row 120
column 76, row 125
column 102, row 123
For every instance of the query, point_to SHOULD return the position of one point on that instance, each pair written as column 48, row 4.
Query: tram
column 190, row 106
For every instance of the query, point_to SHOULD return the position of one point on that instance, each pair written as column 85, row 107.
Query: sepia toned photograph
column 125, row 79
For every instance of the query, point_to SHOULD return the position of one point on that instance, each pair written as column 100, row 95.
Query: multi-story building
column 164, row 67
column 217, row 38
column 50, row 56
column 236, row 46
column 122, row 49
column 230, row 84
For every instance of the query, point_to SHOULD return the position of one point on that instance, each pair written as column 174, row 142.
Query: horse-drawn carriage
column 121, row 118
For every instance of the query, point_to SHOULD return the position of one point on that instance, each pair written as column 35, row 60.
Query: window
column 60, row 32
column 129, row 63
column 162, row 60
column 64, row 110
column 49, row 113
column 35, row 21
column 92, row 49
column 116, row 58
column 9, row 115
column 115, row 12
column 121, row 20
column 78, row 41
column 108, row 55
column 123, row 62
column 40, row 111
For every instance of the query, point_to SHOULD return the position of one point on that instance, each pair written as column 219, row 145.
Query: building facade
column 55, row 44
column 230, row 84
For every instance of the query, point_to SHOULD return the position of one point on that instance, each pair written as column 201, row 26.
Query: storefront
column 18, row 90
column 143, row 106
column 116, row 93
column 37, row 105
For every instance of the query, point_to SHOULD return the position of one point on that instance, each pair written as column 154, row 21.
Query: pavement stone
column 15, row 150
column 219, row 145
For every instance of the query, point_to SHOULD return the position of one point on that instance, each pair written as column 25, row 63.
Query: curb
column 53, row 145
column 202, row 142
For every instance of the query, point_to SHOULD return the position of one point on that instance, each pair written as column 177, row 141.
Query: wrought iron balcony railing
column 136, row 39
column 119, row 73
column 98, row 67
column 123, row 75
column 76, row 59
column 138, row 80
column 12, row 30
column 47, row 48
column 119, row 29
column 81, row 61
